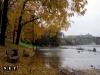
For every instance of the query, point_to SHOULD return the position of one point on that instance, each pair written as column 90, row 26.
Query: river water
column 70, row 57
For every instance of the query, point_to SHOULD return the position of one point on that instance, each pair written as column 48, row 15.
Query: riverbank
column 27, row 65
column 33, row 65
column 23, row 44
column 70, row 57
column 79, row 72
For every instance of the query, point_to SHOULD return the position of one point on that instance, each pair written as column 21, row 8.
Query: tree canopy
column 39, row 16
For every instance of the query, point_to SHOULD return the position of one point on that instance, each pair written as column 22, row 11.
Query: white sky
column 89, row 23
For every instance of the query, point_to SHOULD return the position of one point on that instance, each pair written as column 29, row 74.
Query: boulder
column 94, row 49
column 78, row 51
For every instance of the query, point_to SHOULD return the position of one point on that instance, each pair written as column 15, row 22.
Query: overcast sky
column 89, row 23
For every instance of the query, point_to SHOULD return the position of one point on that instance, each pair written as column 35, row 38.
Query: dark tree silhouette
column 19, row 24
column 14, row 35
column 0, row 12
column 4, row 23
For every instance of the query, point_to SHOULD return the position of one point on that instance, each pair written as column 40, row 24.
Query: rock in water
column 78, row 51
column 94, row 49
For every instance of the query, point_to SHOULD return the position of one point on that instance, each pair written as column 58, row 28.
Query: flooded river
column 70, row 57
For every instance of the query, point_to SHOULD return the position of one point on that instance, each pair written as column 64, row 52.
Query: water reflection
column 70, row 57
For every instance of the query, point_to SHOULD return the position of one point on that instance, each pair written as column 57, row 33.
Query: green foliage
column 46, row 40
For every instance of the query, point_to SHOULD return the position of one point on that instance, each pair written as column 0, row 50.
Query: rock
column 91, row 65
column 78, row 51
column 63, row 71
column 94, row 49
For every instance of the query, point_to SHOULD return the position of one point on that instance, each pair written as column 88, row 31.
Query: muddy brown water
column 71, row 58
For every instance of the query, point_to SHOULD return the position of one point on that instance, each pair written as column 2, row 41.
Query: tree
column 46, row 40
column 4, row 23
column 0, row 12
column 19, row 23
column 54, row 15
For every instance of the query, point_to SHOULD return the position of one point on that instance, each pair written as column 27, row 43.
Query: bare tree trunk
column 0, row 12
column 13, row 36
column 19, row 31
column 19, row 24
column 4, row 23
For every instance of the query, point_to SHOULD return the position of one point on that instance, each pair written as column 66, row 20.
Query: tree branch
column 30, row 21
column 24, row 4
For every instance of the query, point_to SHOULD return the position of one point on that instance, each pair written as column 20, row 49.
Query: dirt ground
column 87, row 72
column 26, row 65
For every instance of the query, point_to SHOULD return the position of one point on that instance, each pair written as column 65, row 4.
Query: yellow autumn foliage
column 55, row 14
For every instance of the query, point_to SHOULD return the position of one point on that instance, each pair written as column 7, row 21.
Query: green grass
column 23, row 44
column 26, row 45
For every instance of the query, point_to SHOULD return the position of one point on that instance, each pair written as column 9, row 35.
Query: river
column 70, row 57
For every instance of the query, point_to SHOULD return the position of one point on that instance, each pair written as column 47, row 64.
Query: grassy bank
column 27, row 66
column 23, row 44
